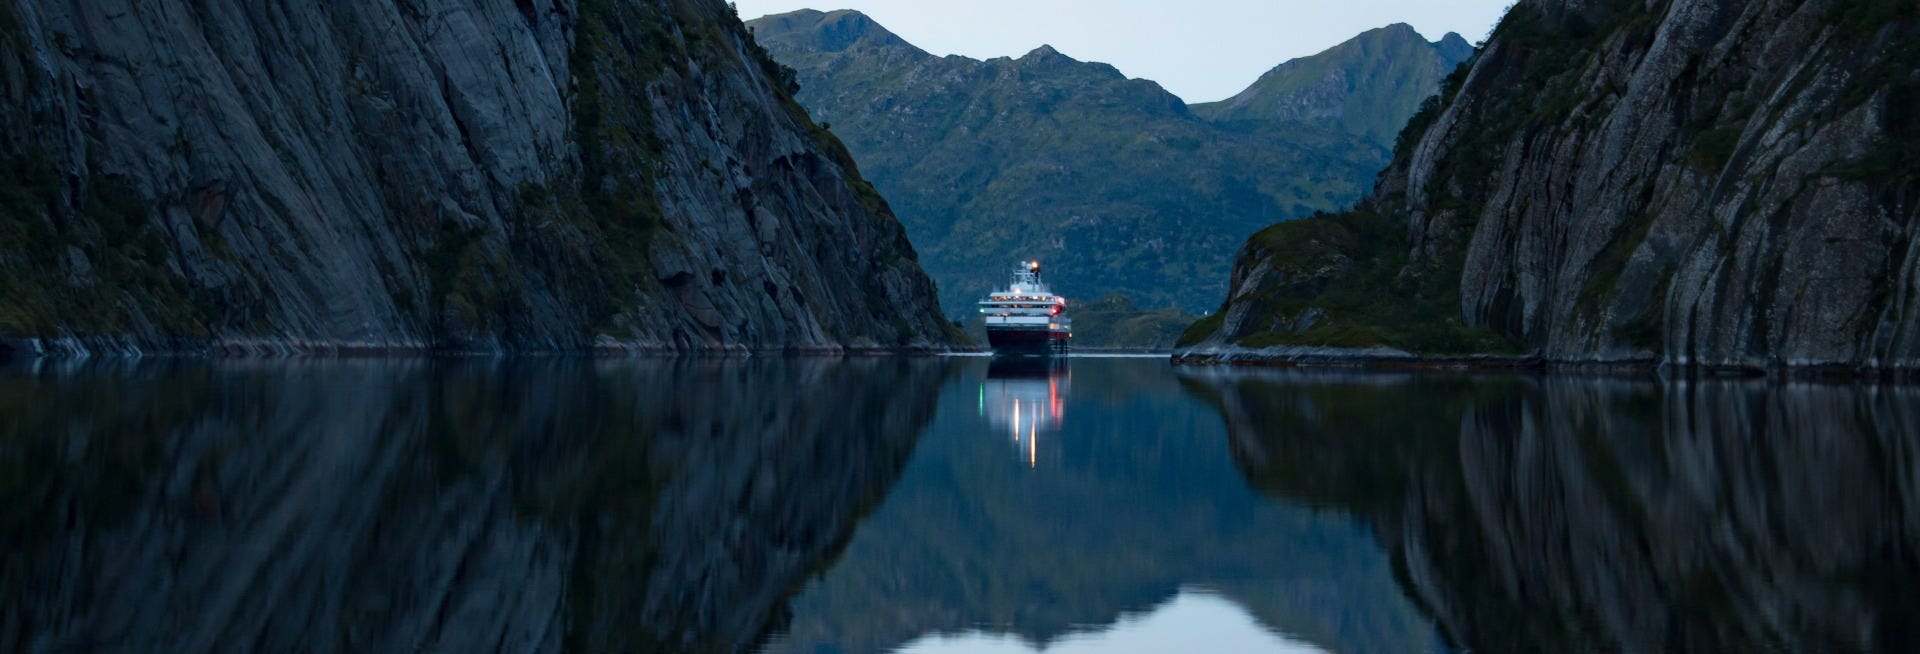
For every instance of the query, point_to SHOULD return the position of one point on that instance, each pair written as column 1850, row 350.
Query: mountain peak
column 1388, row 34
column 830, row 31
column 1454, row 47
column 1367, row 85
column 1045, row 52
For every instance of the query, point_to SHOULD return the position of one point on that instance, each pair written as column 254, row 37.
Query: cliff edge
column 477, row 175
column 1693, row 183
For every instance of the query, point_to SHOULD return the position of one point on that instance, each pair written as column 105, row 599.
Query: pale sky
column 1201, row 50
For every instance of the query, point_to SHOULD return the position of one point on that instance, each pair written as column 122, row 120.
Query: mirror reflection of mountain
column 1194, row 620
column 436, row 505
column 1566, row 514
column 1129, row 510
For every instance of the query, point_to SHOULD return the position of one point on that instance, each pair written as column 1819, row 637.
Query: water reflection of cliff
column 456, row 506
column 1588, row 515
column 1025, row 399
column 1133, row 504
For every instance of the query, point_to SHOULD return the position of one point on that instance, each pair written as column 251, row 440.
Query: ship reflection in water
column 869, row 505
column 1025, row 398
column 1126, row 528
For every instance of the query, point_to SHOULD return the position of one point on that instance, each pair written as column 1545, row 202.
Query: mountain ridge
column 1116, row 183
column 1335, row 84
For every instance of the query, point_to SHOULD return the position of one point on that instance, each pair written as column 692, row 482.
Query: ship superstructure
column 1026, row 318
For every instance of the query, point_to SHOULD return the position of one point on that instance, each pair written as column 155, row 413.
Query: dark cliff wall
column 1695, row 182
column 476, row 174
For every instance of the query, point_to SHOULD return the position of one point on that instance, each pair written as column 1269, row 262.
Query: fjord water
column 946, row 505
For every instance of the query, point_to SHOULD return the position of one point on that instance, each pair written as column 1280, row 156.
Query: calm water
column 946, row 505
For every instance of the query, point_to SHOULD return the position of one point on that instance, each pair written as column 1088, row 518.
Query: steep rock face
column 1113, row 182
column 1594, row 515
column 475, row 174
column 1367, row 86
column 552, row 505
column 1692, row 182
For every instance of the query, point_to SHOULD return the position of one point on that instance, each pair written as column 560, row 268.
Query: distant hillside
column 1114, row 182
column 1367, row 87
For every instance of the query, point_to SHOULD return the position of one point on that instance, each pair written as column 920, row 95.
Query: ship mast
column 1027, row 278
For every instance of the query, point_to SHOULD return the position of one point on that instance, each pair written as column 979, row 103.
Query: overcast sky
column 1201, row 50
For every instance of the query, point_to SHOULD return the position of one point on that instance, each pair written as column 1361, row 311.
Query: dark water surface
column 943, row 505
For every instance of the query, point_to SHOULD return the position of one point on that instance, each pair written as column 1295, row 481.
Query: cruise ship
column 1026, row 319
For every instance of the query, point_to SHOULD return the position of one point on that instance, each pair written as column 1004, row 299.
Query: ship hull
column 1028, row 342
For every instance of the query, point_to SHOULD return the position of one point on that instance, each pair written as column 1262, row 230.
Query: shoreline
column 73, row 349
column 1386, row 359
column 121, row 348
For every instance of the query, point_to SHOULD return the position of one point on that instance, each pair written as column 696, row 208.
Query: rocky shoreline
column 79, row 348
column 1388, row 359
column 1382, row 358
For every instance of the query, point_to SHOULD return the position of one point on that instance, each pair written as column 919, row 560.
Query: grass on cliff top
column 1354, row 269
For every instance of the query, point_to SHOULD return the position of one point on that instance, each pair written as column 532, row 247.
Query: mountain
column 1681, row 182
column 1115, row 183
column 448, row 174
column 1367, row 86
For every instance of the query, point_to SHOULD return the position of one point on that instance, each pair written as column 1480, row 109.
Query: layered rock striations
column 1117, row 184
column 1684, row 182
column 449, row 174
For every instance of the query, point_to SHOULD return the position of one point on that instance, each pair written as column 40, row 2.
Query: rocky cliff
column 1117, row 184
column 434, row 174
column 1687, row 182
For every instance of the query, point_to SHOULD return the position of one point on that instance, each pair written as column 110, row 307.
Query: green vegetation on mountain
column 1366, row 87
column 1687, row 184
column 1344, row 280
column 1118, row 185
column 1115, row 321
